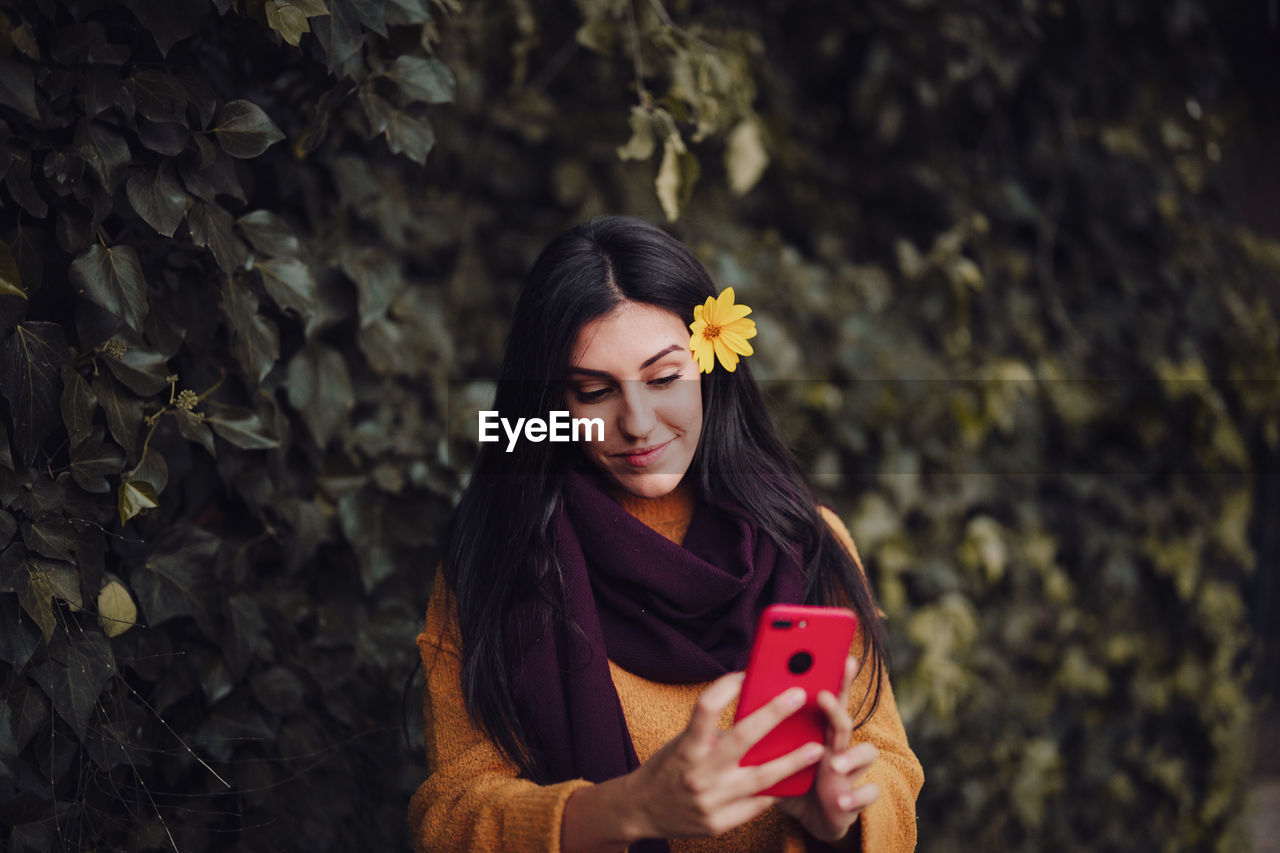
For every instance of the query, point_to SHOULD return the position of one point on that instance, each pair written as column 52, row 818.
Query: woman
column 598, row 598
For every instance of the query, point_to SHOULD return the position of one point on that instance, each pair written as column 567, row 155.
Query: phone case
column 795, row 645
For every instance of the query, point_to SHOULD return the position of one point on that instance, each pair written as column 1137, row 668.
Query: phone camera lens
column 800, row 663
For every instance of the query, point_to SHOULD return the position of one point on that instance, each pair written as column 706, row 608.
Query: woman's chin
column 648, row 484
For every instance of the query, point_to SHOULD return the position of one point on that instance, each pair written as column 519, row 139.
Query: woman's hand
column 833, row 804
column 693, row 785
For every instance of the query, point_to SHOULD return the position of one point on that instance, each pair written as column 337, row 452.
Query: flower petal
column 737, row 343
column 727, row 357
column 697, row 315
column 735, row 312
column 703, row 352
column 709, row 310
column 742, row 328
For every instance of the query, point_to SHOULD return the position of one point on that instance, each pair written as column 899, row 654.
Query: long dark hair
column 499, row 548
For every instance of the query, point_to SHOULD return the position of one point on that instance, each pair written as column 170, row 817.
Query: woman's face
column 633, row 369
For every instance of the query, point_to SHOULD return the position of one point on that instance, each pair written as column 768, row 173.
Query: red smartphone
column 795, row 646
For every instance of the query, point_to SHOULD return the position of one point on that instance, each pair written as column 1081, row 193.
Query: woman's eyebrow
column 651, row 359
column 601, row 373
column 607, row 375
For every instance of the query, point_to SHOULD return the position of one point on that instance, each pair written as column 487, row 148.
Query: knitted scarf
column 673, row 613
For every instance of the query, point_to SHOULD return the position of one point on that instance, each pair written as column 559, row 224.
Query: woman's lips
column 645, row 456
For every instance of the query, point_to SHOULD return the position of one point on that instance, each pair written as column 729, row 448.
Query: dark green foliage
column 191, row 645
column 247, row 249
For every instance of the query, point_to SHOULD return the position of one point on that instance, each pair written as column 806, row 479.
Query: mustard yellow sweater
column 474, row 799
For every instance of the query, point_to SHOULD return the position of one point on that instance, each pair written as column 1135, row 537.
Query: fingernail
column 842, row 764
column 813, row 752
column 795, row 697
column 846, row 801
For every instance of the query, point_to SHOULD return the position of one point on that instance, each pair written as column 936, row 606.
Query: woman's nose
column 636, row 420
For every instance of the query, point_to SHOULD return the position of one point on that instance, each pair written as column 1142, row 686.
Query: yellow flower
column 720, row 330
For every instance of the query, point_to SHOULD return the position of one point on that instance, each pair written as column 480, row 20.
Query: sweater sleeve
column 888, row 824
column 474, row 799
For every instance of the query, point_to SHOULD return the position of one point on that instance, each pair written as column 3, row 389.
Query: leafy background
column 1015, row 269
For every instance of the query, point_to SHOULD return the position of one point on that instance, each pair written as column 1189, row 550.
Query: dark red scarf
column 680, row 614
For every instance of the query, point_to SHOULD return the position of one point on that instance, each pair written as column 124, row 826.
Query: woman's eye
column 665, row 380
column 594, row 396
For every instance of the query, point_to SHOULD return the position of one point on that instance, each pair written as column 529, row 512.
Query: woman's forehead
column 628, row 337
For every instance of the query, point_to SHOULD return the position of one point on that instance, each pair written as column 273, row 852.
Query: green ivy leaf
column 117, row 612
column 176, row 579
column 163, row 137
column 38, row 582
column 8, row 527
column 341, row 38
column 193, row 428
column 20, row 636
column 231, row 724
column 289, row 19
column 103, row 150
column 8, row 741
column 37, row 494
column 289, row 282
column 134, row 497
column 112, row 278
column 244, row 130
column 405, row 134
column 78, row 404
column 152, row 469
column 211, row 226
column 159, row 96
column 423, row 79
column 268, row 233
column 641, row 144
column 18, row 87
column 30, row 713
column 28, row 245
column 404, row 12
column 370, row 13
column 378, row 280
column 256, row 343
column 172, row 21
column 364, row 523
column 50, row 536
column 123, row 411
column 244, row 632
column 10, row 275
column 319, row 387
column 158, row 197
column 244, row 429
column 142, row 370
column 6, row 452
column 676, row 176
column 745, row 158
column 91, row 463
column 31, row 360
column 102, row 91
column 18, row 182
column 76, row 678
column 278, row 689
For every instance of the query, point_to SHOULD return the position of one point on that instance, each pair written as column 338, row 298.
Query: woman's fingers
column 747, row 731
column 839, row 723
column 703, row 724
column 859, row 798
column 757, row 778
column 854, row 760
column 846, row 683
